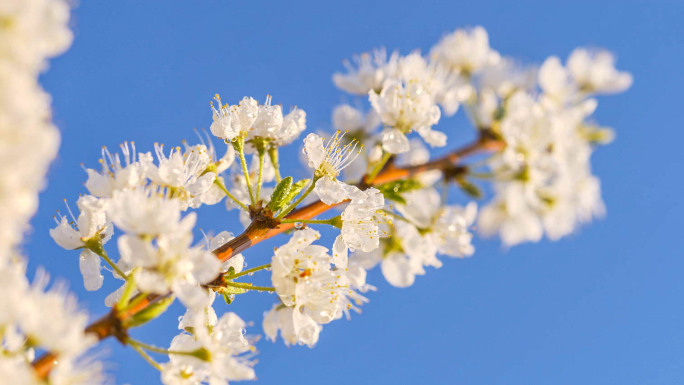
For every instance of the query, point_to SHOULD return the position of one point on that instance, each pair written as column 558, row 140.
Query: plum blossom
column 541, row 174
column 118, row 174
column 363, row 223
column 61, row 332
column 189, row 175
column 405, row 108
column 594, row 72
column 92, row 223
column 305, row 282
column 229, row 122
column 448, row 89
column 221, row 352
column 465, row 50
column 328, row 160
column 427, row 229
column 91, row 228
column 372, row 69
column 445, row 226
column 251, row 120
column 544, row 184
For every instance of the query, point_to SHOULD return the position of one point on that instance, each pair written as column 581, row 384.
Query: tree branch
column 111, row 324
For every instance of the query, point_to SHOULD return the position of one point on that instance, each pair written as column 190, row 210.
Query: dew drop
column 298, row 225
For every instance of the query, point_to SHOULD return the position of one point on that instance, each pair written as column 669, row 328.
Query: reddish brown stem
column 109, row 325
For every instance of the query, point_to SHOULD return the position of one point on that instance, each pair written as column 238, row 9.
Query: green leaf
column 469, row 188
column 393, row 196
column 280, row 192
column 394, row 190
column 151, row 312
column 295, row 190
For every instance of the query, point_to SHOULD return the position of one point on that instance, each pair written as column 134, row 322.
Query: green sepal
column 202, row 354
column 151, row 312
column 230, row 290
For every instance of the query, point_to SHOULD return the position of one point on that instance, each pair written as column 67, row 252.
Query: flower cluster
column 312, row 292
column 31, row 33
column 427, row 227
column 543, row 178
column 145, row 200
column 31, row 317
column 211, row 350
column 407, row 91
column 251, row 120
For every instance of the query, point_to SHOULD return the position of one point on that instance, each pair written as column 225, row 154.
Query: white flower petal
column 394, row 141
column 340, row 253
column 89, row 264
column 330, row 191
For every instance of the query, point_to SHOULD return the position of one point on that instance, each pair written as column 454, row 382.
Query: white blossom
column 404, row 108
column 60, row 332
column 92, row 223
column 171, row 264
column 305, row 281
column 251, row 120
column 350, row 119
column 31, row 33
column 189, row 175
column 229, row 122
column 294, row 123
column 427, row 228
column 594, row 72
column 465, row 50
column 544, row 183
column 328, row 160
column 362, row 224
column 294, row 327
column 117, row 174
column 371, row 71
column 144, row 212
column 222, row 353
column 448, row 89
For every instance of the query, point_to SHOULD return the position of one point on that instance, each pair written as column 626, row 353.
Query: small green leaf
column 280, row 192
column 295, row 190
column 393, row 196
column 469, row 188
column 401, row 186
column 151, row 312
column 394, row 190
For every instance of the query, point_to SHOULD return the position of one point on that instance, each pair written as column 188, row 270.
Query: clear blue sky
column 603, row 306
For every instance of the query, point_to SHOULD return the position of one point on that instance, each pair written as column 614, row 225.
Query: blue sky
column 601, row 306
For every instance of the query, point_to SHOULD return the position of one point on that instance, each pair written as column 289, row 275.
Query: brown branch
column 110, row 324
